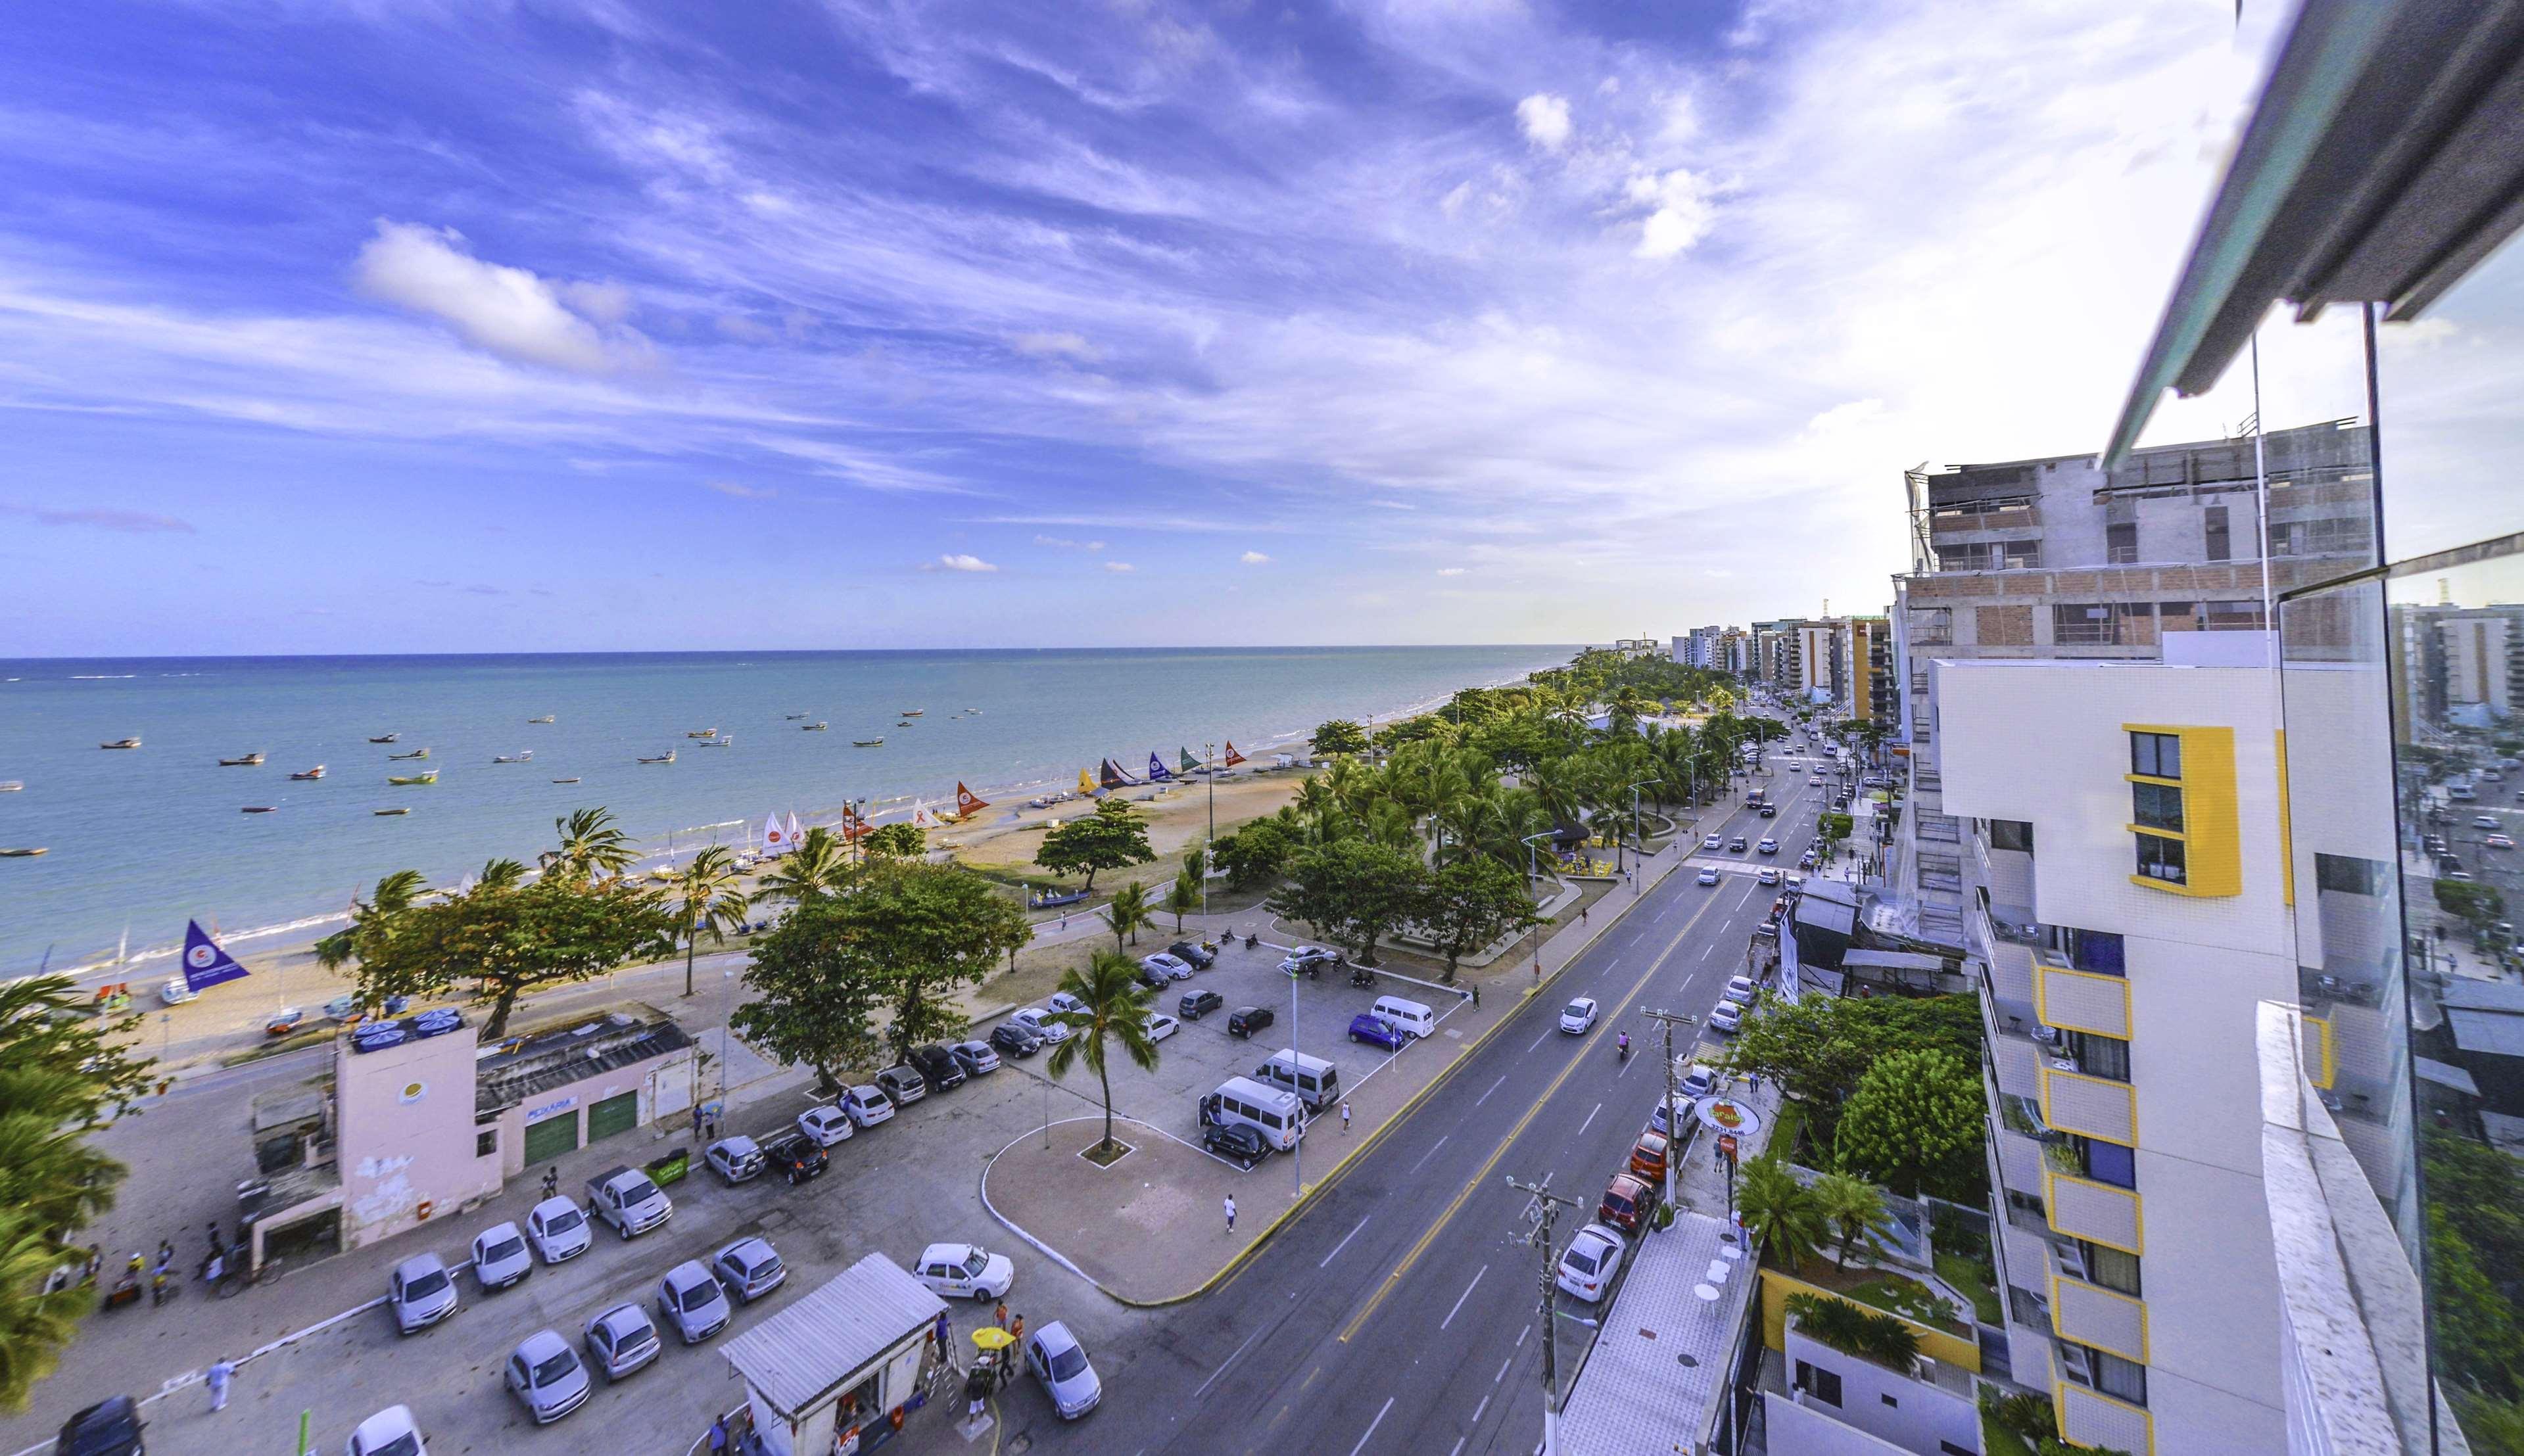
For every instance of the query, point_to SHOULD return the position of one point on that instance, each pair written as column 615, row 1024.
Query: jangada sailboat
column 317, row 772
column 414, row 753
column 525, row 757
column 667, row 756
column 250, row 761
column 410, row 779
column 385, row 737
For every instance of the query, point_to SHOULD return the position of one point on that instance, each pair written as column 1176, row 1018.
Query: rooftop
column 810, row 1349
column 543, row 1057
column 1657, row 1374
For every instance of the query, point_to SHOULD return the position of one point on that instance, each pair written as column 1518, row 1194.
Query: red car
column 1629, row 1203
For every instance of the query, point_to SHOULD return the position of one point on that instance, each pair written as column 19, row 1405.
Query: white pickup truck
column 627, row 1198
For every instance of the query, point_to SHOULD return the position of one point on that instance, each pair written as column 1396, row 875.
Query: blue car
column 1376, row 1031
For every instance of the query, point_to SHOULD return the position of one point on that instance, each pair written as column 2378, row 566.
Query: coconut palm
column 1852, row 1206
column 712, row 899
column 1116, row 1008
column 502, row 873
column 1784, row 1217
column 590, row 844
column 395, row 893
column 1130, row 912
column 817, row 867
column 1185, row 898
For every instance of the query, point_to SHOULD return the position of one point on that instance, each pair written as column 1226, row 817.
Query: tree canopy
column 1114, row 836
column 1914, row 1124
column 1466, row 905
column 897, row 841
column 1352, row 891
column 502, row 943
column 1340, row 735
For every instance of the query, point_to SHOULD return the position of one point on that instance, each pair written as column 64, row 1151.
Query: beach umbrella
column 993, row 1338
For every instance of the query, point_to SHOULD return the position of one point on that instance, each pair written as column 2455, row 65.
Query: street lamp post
column 1673, row 1128
column 1635, row 824
column 1535, row 929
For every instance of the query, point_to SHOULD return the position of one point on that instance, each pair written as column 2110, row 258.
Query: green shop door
column 612, row 1115
column 553, row 1137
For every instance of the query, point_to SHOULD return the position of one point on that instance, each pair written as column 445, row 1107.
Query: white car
column 501, row 1257
column 1728, row 1018
column 975, row 1057
column 388, row 1432
column 1713, row 842
column 1039, row 1022
column 1587, row 1266
column 826, row 1124
column 1063, row 1003
column 421, row 1293
column 735, row 1159
column 546, row 1377
column 1174, row 967
column 750, row 1268
column 868, row 1105
column 1578, row 1018
column 558, row 1228
column 694, row 1304
column 2484, row 821
column 1708, row 874
column 622, row 1339
column 966, row 1269
column 1161, row 1026
column 1741, row 990
column 1698, row 1083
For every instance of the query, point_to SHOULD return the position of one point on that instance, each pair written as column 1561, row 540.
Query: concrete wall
column 1911, row 1415
column 1812, row 1430
column 665, row 1085
column 407, row 1136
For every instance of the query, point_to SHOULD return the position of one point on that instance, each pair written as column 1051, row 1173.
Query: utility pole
column 1673, row 1125
column 1209, row 844
column 1542, row 1212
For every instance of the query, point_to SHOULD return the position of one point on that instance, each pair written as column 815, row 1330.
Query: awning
column 2383, row 162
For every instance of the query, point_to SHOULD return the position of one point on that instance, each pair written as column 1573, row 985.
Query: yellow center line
column 1515, row 1132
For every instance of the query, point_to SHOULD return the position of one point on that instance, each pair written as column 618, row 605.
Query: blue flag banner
column 204, row 964
column 1157, row 772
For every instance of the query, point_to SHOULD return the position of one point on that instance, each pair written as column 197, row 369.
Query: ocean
column 143, row 839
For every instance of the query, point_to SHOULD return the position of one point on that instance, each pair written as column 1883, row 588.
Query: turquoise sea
column 141, row 839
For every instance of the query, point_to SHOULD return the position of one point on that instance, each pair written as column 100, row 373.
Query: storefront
column 838, row 1371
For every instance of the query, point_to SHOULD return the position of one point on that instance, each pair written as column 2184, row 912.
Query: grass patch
column 1905, row 1296
column 1786, row 1126
column 1974, row 1278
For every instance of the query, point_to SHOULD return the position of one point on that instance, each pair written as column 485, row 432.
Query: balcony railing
column 2080, row 1000
column 2074, row 1102
column 2090, row 1418
column 2092, row 1315
column 2097, row 1212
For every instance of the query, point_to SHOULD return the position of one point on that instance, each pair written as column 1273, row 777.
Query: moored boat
column 913, row 712
column 385, row 737
column 667, row 756
column 257, row 808
column 546, row 719
column 792, row 717
column 704, row 733
column 564, row 780
column 26, row 853
column 526, row 756
column 317, row 772
column 414, row 753
column 814, row 727
column 728, row 741
column 388, row 813
column 409, row 780
column 121, row 743
column 250, row 761
column 867, row 742
column 11, row 785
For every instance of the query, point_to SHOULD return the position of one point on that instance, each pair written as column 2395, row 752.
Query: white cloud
column 1842, row 419
column 1450, row 571
column 1065, row 544
column 957, row 562
column 1682, row 212
column 740, row 490
column 497, row 309
column 1065, row 345
column 1545, row 118
column 1253, row 558
column 1118, row 566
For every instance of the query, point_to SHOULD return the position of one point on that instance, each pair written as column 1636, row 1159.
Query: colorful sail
column 774, row 837
column 921, row 818
column 204, row 964
column 1086, row 782
column 967, row 805
column 793, row 836
column 1190, row 764
column 1159, row 773
column 1114, row 777
column 1233, row 757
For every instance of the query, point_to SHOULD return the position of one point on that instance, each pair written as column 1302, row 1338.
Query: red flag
column 966, row 804
column 1233, row 757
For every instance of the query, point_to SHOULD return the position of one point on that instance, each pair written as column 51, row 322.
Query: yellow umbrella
column 993, row 1338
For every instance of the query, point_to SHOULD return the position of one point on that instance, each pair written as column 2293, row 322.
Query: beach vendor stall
column 836, row 1372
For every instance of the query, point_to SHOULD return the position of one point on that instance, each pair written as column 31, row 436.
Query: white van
column 1267, row 1111
column 1412, row 1016
column 1315, row 1081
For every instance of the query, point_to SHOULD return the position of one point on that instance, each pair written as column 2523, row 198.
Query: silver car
column 546, row 1377
column 559, row 1229
column 622, row 1339
column 750, row 1267
column 1060, row 1361
column 694, row 1304
column 501, row 1257
column 975, row 1057
column 903, row 1084
column 421, row 1293
column 735, row 1159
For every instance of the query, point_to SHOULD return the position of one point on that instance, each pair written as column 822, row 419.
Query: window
column 2157, row 806
column 2097, row 951
column 2158, row 756
column 1939, row 871
column 1888, row 1400
column 2106, row 1162
column 2121, row 543
column 2161, row 859
column 1823, row 1385
column 2081, row 625
column 486, row 1142
column 2011, row 833
column 2111, row 1268
column 2232, row 616
column 2122, row 1380
column 2220, row 545
column 2106, row 1058
column 2177, row 616
column 2345, row 874
column 1932, row 626
column 2330, row 536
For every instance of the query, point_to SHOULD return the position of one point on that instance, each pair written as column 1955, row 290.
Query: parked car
column 1174, row 967
column 975, row 1057
column 622, row 1339
column 1579, row 1017
column 1056, row 1359
column 1648, row 1155
column 1150, row 976
column 421, row 1293
column 1246, row 1020
column 797, row 1157
column 1016, row 1039
column 735, row 1159
column 1196, row 1004
column 1726, row 1017
column 868, row 1105
column 964, row 1270
column 1039, row 1022
column 904, row 1085
column 1629, row 1203
column 546, row 1377
column 695, row 1306
column 558, row 1228
column 1741, row 990
column 826, row 1124
column 1708, row 874
column 1063, row 1003
column 1698, row 1083
column 391, row 1431
column 1376, row 1030
column 1587, row 1266
column 1235, row 1142
column 501, row 1257
column 628, row 1200
column 1308, row 959
column 938, row 1067
column 1190, row 953
column 750, row 1268
column 109, row 1428
column 1713, row 842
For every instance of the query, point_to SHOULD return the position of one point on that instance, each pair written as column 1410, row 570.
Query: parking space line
column 1344, row 1243
column 1371, row 1428
column 1430, row 1153
column 1460, row 1298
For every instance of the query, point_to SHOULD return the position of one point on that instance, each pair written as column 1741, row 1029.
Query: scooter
column 1252, row 941
column 126, row 1290
column 1361, row 976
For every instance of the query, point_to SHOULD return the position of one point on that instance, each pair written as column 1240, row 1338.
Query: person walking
column 551, row 1181
column 222, row 1372
column 1230, row 1213
column 999, row 1316
column 1016, row 1332
column 718, row 1436
column 943, row 1331
column 1345, row 1117
column 1476, row 995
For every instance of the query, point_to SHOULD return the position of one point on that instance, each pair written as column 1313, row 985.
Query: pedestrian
column 1016, row 1332
column 165, row 1254
column 213, row 1233
column 999, row 1316
column 718, row 1436
column 943, row 1331
column 551, row 1181
column 1230, row 1213
column 1345, row 1117
column 223, row 1370
column 95, row 1262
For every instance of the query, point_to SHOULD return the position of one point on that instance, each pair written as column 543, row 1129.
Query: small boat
column 11, row 785
column 26, row 853
column 414, row 753
column 913, row 712
column 546, row 719
column 814, row 727
column 121, row 743
column 564, row 780
column 409, row 780
column 704, row 733
column 867, row 742
column 905, row 723
column 667, row 756
column 250, row 761
column 792, row 717
column 718, row 743
column 974, row 711
column 257, row 808
column 317, row 772
column 513, row 758
column 388, row 813
column 387, row 738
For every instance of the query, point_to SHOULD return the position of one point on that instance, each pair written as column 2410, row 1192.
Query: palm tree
column 1786, row 1218
column 1185, row 898
column 501, row 874
column 591, row 843
column 815, row 868
column 1851, row 1205
column 1131, row 912
column 395, row 893
column 713, row 900
column 1116, row 1003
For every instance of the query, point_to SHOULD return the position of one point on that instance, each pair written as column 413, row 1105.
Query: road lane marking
column 1344, row 1243
column 1371, row 1428
column 1531, row 1113
column 1230, row 1360
column 1519, row 1338
column 1538, row 1041
column 1430, row 1153
column 1460, row 1298
column 1457, row 1448
column 1494, row 1087
column 1484, row 1405
column 1590, row 1117
column 1503, row 1365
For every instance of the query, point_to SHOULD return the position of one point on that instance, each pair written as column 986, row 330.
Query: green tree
column 1257, row 854
column 1340, row 735
column 709, row 901
column 818, row 865
column 1352, row 892
column 1128, row 913
column 591, row 843
column 1185, row 898
column 510, row 942
column 1915, row 1125
column 1782, row 1215
column 1114, row 836
column 394, row 894
column 2479, row 904
column 897, row 842
column 934, row 929
column 501, row 873
column 65, row 1074
column 1852, row 1330
column 817, row 984
column 1116, row 1010
column 1853, row 1206
column 1468, row 903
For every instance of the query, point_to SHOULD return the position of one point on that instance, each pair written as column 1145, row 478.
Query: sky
column 409, row 326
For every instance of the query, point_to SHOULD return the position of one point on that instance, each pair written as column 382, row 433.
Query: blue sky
column 411, row 326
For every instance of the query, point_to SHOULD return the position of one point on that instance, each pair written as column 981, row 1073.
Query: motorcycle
column 1361, row 976
column 1252, row 941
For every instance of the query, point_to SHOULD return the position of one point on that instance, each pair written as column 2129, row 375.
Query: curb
column 1370, row 1141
